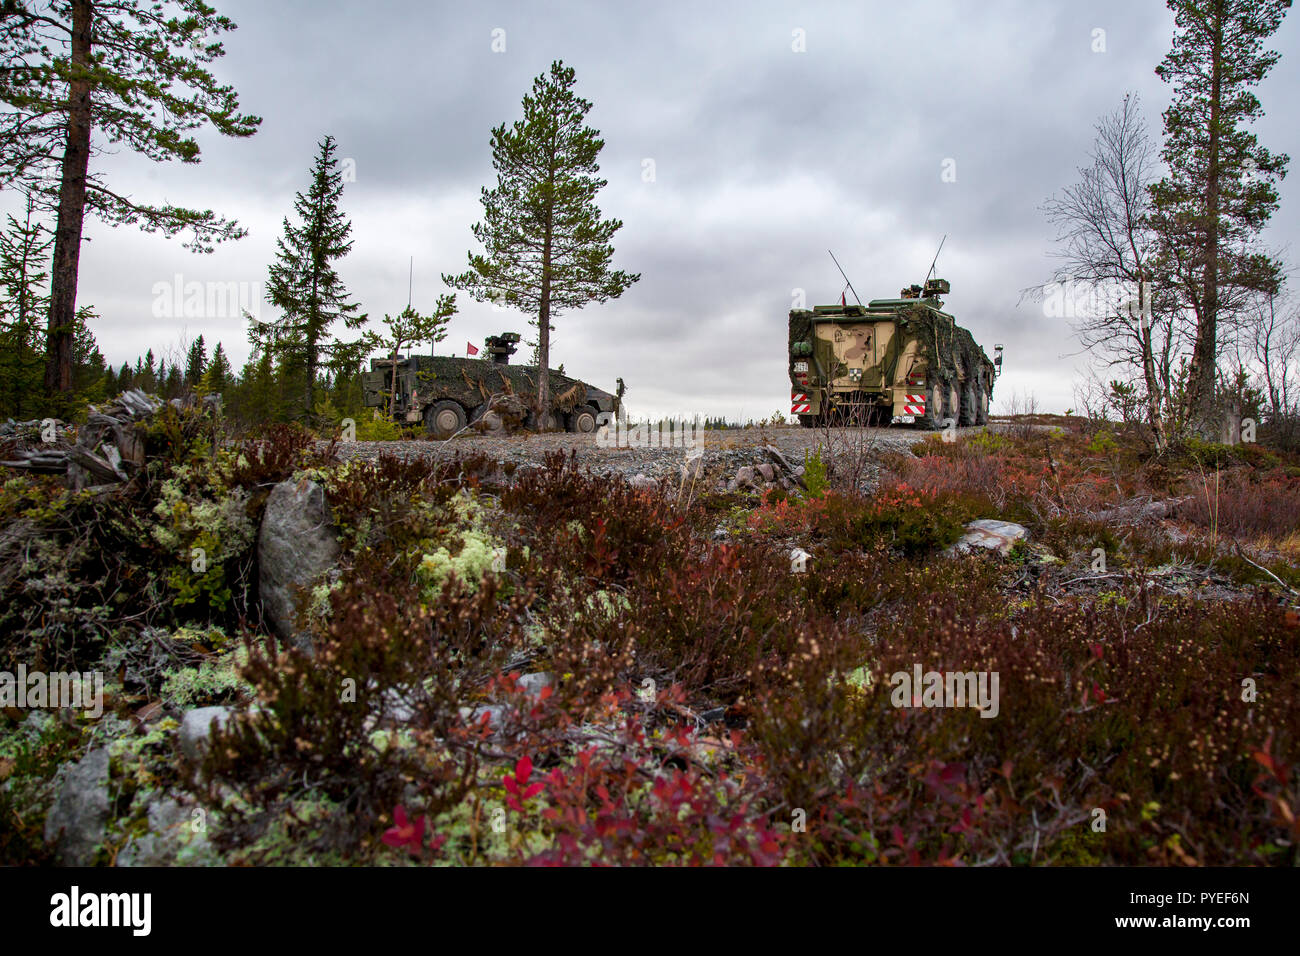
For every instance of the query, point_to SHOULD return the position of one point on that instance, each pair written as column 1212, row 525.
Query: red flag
column 469, row 349
column 842, row 302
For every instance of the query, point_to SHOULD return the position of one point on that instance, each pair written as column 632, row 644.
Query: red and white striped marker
column 913, row 404
column 799, row 403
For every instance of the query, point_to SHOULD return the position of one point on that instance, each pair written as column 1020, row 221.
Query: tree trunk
column 544, row 334
column 1205, row 352
column 1146, row 315
column 72, row 211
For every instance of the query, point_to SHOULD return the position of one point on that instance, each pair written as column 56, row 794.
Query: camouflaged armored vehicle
column 446, row 393
column 891, row 360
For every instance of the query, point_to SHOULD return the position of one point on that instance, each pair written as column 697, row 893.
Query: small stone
column 474, row 716
column 745, row 476
column 642, row 482
column 767, row 471
column 196, row 728
column 713, row 716
column 532, row 684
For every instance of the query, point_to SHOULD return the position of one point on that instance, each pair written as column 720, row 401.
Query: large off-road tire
column 969, row 411
column 934, row 409
column 582, row 420
column 982, row 406
column 443, row 419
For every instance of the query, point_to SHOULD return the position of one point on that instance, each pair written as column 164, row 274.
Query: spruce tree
column 127, row 72
column 196, row 361
column 305, row 286
column 546, row 248
column 1221, row 189
column 216, row 379
column 24, row 253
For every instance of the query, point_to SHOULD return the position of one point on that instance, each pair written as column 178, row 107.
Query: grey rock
column 693, row 470
column 397, row 707
column 171, row 832
column 989, row 533
column 778, row 459
column 78, row 819
column 767, row 471
column 296, row 544
column 642, row 482
column 745, row 477
column 496, row 715
column 196, row 728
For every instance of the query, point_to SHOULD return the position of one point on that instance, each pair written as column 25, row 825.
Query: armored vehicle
column 891, row 360
column 446, row 393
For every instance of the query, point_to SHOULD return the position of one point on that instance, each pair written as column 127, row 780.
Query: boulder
column 78, row 819
column 767, row 471
column 989, row 533
column 745, row 477
column 296, row 545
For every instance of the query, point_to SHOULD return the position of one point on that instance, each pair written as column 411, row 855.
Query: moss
column 215, row 681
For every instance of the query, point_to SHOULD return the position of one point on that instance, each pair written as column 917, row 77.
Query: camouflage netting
column 473, row 382
column 940, row 340
column 800, row 328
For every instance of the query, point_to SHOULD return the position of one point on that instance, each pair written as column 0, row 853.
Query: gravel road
column 724, row 450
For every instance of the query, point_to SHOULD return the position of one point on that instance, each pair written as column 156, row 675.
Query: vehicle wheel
column 933, row 417
column 982, row 407
column 969, row 412
column 582, row 420
column 443, row 419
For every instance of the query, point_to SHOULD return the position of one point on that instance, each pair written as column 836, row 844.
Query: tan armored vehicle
column 891, row 360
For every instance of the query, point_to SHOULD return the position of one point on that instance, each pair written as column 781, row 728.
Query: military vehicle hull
column 892, row 360
column 446, row 393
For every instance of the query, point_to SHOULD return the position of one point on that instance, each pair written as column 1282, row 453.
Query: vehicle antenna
column 846, row 278
column 936, row 259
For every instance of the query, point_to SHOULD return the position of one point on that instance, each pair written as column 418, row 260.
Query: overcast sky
column 763, row 157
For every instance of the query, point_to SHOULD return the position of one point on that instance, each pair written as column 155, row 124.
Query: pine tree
column 546, row 249
column 128, row 72
column 1220, row 189
column 24, row 252
column 304, row 284
column 409, row 327
column 196, row 361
